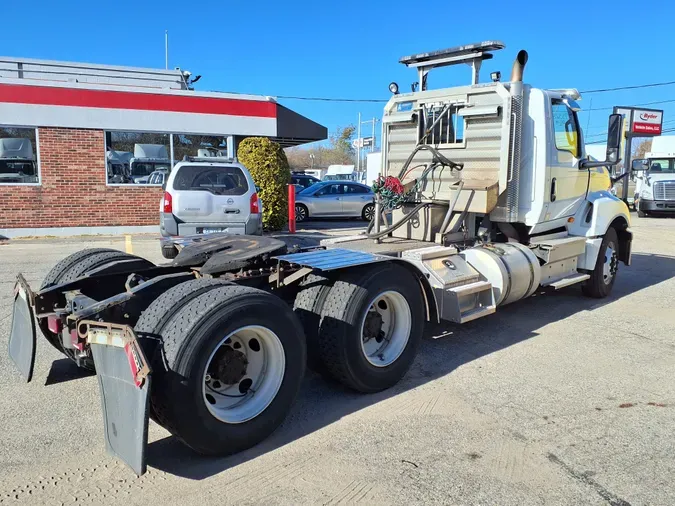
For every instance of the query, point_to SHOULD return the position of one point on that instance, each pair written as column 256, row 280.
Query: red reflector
column 168, row 203
column 74, row 338
column 255, row 204
column 134, row 363
column 54, row 324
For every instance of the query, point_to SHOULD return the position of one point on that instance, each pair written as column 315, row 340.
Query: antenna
column 166, row 49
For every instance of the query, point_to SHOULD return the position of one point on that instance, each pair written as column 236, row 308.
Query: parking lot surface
column 558, row 399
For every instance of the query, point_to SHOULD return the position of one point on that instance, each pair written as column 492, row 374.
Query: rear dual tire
column 198, row 321
column 364, row 329
column 69, row 269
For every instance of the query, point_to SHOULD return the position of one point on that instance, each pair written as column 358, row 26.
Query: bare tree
column 340, row 152
column 641, row 150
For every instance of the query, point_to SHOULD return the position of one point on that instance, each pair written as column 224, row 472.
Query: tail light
column 168, row 203
column 255, row 204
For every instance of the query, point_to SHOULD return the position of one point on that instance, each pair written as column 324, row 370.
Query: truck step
column 475, row 287
column 476, row 313
column 468, row 302
column 570, row 280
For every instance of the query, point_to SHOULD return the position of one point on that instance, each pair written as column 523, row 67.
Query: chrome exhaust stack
column 508, row 206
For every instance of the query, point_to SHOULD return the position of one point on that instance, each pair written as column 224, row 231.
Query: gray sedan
column 335, row 199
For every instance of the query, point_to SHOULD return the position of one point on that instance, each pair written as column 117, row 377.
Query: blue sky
column 350, row 49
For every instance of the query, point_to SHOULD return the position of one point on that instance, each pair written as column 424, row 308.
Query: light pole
column 359, row 142
column 311, row 161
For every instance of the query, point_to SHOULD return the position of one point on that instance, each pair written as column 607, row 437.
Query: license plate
column 213, row 230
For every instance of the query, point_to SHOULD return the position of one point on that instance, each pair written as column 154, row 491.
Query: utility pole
column 166, row 49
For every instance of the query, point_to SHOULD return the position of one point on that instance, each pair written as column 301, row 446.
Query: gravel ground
column 554, row 400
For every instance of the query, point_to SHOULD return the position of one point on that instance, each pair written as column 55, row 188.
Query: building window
column 147, row 158
column 201, row 146
column 134, row 157
column 19, row 163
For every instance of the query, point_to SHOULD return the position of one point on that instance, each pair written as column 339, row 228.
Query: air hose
column 403, row 221
column 391, row 192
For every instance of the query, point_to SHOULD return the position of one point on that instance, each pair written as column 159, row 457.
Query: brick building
column 80, row 144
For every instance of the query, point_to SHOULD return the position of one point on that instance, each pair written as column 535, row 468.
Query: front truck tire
column 372, row 322
column 228, row 367
column 69, row 269
column 602, row 279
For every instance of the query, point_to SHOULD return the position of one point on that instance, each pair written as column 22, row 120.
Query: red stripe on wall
column 104, row 99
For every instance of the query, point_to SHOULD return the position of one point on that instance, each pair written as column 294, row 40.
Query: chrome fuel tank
column 511, row 268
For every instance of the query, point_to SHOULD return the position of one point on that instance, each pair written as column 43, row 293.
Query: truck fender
column 602, row 211
column 430, row 305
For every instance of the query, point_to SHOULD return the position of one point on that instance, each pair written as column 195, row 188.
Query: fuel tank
column 511, row 268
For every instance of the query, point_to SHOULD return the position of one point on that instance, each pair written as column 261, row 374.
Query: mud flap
column 125, row 384
column 22, row 337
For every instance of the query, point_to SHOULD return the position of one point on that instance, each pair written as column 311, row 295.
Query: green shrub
column 267, row 163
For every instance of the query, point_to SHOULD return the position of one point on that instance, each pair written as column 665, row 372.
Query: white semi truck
column 491, row 198
column 655, row 178
column 17, row 161
column 147, row 159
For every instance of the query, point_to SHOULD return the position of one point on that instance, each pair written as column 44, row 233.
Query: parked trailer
column 491, row 195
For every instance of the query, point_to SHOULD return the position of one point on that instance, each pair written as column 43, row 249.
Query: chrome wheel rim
column 611, row 264
column 300, row 213
column 385, row 328
column 243, row 374
column 369, row 212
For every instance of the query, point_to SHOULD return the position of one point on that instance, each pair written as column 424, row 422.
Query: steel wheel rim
column 300, row 213
column 264, row 373
column 395, row 319
column 369, row 212
column 611, row 263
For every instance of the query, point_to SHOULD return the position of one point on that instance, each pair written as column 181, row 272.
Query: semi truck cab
column 655, row 184
column 491, row 196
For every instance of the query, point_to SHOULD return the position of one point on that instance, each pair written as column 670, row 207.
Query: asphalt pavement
column 558, row 399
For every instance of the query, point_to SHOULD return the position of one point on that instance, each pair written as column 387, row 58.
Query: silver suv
column 207, row 197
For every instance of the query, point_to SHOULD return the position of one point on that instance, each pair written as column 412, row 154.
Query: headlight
column 645, row 194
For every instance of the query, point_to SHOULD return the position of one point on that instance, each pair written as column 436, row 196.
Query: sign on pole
column 367, row 142
column 647, row 122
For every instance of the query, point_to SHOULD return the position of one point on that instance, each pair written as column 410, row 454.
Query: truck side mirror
column 639, row 165
column 614, row 139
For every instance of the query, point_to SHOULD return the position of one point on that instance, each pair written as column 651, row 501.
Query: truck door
column 567, row 184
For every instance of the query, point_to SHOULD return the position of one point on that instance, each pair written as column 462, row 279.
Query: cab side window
column 565, row 128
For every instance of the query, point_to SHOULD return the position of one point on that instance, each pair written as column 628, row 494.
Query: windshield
column 304, row 181
column 662, row 166
column 25, row 170
column 147, row 168
column 310, row 189
column 26, row 167
column 217, row 180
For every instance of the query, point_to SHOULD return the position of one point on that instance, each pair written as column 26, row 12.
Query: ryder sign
column 647, row 122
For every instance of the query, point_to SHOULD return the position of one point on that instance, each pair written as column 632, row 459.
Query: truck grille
column 664, row 190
